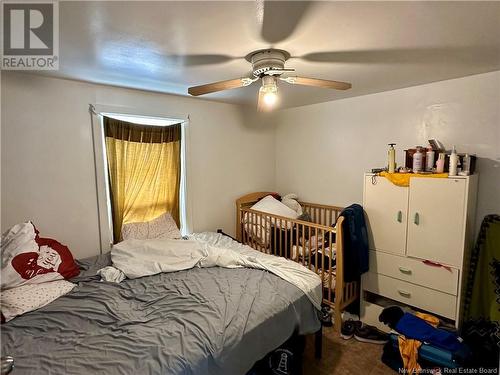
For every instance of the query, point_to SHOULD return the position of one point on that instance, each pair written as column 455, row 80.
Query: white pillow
column 273, row 206
column 261, row 231
column 163, row 227
column 22, row 299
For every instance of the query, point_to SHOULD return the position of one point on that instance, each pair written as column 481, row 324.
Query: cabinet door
column 436, row 219
column 386, row 205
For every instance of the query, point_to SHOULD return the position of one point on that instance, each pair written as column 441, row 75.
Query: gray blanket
column 198, row 321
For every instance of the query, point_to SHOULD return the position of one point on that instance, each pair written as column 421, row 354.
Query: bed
column 316, row 244
column 199, row 321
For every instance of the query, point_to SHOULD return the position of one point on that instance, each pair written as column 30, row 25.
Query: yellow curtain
column 144, row 166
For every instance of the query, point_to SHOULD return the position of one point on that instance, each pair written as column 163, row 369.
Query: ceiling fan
column 268, row 66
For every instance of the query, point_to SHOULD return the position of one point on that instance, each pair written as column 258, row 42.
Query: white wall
column 322, row 150
column 48, row 167
column 319, row 151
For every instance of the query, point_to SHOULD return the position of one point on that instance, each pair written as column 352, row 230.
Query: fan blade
column 220, row 86
column 324, row 83
column 404, row 55
column 195, row 60
column 280, row 18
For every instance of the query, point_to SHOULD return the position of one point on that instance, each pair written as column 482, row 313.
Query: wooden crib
column 312, row 244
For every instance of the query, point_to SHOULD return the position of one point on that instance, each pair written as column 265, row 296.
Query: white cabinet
column 437, row 219
column 420, row 237
column 386, row 206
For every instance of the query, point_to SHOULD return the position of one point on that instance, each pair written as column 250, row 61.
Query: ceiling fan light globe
column 270, row 98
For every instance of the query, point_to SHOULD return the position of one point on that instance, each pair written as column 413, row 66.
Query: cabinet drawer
column 428, row 299
column 415, row 271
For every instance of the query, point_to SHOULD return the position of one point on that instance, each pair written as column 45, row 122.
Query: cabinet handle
column 405, row 270
column 399, row 217
column 404, row 293
column 416, row 218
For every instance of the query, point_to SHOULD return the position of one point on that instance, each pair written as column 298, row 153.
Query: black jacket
column 355, row 242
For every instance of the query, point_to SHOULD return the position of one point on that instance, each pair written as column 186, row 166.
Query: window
column 140, row 172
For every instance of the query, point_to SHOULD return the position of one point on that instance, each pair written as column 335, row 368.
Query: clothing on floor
column 423, row 328
column 408, row 347
column 355, row 243
column 420, row 326
column 429, row 358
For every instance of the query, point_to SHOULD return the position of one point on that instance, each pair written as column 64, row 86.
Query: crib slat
column 283, row 243
column 323, row 259
column 295, row 254
column 303, row 244
column 330, row 272
column 274, row 239
column 317, row 249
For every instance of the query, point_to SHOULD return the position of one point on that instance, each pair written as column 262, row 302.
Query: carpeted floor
column 344, row 357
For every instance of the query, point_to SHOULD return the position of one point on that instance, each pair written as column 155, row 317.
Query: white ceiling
column 377, row 46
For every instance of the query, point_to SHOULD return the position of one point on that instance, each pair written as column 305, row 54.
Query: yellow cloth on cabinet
column 408, row 348
column 403, row 179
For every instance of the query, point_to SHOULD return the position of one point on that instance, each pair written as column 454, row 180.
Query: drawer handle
column 404, row 293
column 405, row 270
column 416, row 218
column 399, row 217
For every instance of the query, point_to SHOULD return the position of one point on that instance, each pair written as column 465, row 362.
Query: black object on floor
column 325, row 316
column 285, row 360
column 391, row 357
column 349, row 327
column 391, row 316
column 371, row 334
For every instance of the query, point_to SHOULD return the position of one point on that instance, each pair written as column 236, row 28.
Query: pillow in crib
column 22, row 299
column 28, row 258
column 259, row 229
column 161, row 228
column 273, row 206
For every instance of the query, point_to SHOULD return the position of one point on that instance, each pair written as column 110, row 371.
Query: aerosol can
column 453, row 171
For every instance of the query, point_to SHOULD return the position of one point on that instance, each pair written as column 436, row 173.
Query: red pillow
column 33, row 259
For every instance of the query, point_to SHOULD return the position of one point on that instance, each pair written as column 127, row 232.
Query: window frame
column 104, row 219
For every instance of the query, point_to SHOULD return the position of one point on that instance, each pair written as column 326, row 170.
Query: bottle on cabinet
column 453, row 171
column 418, row 158
column 440, row 163
column 466, row 165
column 429, row 159
column 391, row 155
